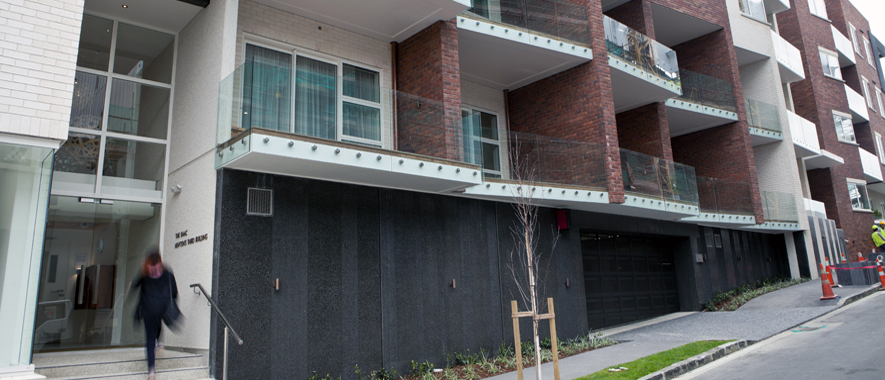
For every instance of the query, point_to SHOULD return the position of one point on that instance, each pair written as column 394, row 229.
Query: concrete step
column 122, row 363
column 169, row 374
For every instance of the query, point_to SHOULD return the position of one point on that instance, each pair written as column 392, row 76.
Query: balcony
column 858, row 106
column 765, row 122
column 815, row 208
column 657, row 188
column 706, row 102
column 338, row 129
column 571, row 174
column 872, row 170
column 386, row 20
column 804, row 134
column 643, row 71
column 780, row 212
column 776, row 6
column 844, row 47
column 724, row 203
column 788, row 58
column 509, row 44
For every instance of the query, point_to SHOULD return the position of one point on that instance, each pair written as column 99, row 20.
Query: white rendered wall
column 38, row 57
column 206, row 49
column 776, row 166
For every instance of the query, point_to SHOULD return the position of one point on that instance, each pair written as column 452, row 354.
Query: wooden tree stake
column 554, row 344
column 518, row 345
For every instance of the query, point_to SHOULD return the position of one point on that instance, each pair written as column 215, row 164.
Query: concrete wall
column 206, row 49
column 38, row 57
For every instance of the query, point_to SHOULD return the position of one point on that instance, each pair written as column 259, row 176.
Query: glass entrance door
column 92, row 251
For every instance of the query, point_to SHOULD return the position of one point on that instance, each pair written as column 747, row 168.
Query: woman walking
column 156, row 303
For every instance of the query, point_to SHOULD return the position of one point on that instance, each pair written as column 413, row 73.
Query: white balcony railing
column 789, row 59
column 812, row 206
column 804, row 134
column 844, row 47
column 858, row 106
column 871, row 168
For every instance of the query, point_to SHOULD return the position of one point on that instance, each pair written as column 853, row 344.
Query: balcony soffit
column 165, row 15
column 673, row 27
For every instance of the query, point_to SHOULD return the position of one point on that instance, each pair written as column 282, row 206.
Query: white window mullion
column 879, row 148
column 853, row 32
column 866, row 45
column 866, row 92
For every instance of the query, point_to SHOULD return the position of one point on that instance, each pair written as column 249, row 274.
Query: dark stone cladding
column 815, row 99
column 365, row 274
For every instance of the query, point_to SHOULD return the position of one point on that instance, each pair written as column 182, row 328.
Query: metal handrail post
column 224, row 363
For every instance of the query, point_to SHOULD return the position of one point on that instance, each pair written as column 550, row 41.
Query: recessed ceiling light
column 125, row 6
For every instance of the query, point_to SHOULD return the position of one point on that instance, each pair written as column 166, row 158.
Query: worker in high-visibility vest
column 878, row 238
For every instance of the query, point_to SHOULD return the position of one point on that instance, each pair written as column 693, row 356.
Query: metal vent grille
column 259, row 202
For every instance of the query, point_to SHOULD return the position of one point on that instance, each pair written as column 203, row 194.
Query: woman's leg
column 151, row 331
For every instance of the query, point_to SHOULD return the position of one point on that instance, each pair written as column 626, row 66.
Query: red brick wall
column 816, row 97
column 575, row 105
column 427, row 67
column 645, row 130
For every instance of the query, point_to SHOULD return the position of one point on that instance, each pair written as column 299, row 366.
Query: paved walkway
column 759, row 319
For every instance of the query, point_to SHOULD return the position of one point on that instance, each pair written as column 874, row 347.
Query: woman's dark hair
column 153, row 258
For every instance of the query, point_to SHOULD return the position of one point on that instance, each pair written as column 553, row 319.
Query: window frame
column 869, row 51
column 831, row 58
column 879, row 100
column 865, row 83
column 879, row 149
column 745, row 7
column 502, row 154
column 340, row 98
column 858, row 183
column 841, row 126
column 104, row 134
column 818, row 8
column 853, row 32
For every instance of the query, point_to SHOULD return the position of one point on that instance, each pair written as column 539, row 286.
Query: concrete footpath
column 759, row 319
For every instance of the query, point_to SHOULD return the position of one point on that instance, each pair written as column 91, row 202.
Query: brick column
column 429, row 79
column 646, row 130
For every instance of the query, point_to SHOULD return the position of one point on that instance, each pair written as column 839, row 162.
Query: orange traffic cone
column 828, row 273
column 827, row 290
column 842, row 254
column 881, row 278
column 859, row 257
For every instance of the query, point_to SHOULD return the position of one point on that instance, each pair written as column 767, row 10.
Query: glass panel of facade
column 139, row 109
column 844, row 128
column 25, row 173
column 858, row 195
column 362, row 121
column 92, row 253
column 361, row 83
column 95, row 43
column 133, row 168
column 76, row 163
column 143, row 53
column 87, row 106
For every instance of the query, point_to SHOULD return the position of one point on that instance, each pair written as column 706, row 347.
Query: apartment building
column 339, row 177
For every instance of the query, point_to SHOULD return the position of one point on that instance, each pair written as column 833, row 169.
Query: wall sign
column 188, row 241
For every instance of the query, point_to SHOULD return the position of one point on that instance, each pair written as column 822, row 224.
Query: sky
column 874, row 11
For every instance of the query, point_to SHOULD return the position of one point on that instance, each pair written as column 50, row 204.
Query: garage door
column 627, row 278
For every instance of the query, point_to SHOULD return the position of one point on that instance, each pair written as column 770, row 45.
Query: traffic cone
column 881, row 278
column 827, row 290
column 829, row 274
column 842, row 254
column 859, row 257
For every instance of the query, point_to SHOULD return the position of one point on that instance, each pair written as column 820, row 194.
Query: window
column 866, row 92
column 879, row 100
column 481, row 141
column 857, row 192
column 844, row 127
column 866, row 46
column 324, row 98
column 853, row 32
column 818, row 8
column 830, row 63
column 755, row 9
column 879, row 148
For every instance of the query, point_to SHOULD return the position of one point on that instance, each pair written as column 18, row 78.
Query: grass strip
column 653, row 363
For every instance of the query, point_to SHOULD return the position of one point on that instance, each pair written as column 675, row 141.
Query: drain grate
column 259, row 202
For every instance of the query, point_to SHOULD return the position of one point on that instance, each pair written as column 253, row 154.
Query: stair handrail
column 217, row 310
column 227, row 325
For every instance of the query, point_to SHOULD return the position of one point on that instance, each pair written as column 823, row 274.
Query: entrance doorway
column 93, row 249
column 627, row 278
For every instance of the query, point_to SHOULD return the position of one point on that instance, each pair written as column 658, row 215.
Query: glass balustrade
column 779, row 207
column 561, row 19
column 638, row 50
column 657, row 178
column 720, row 196
column 763, row 115
column 706, row 90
